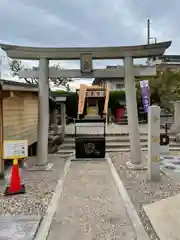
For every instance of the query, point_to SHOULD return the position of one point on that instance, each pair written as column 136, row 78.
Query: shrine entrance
column 93, row 101
column 86, row 56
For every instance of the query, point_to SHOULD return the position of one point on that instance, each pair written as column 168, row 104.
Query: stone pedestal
column 63, row 119
column 154, row 143
column 177, row 115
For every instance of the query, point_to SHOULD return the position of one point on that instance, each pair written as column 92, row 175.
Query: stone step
column 127, row 149
column 64, row 151
column 118, row 134
column 116, row 145
column 117, row 139
column 172, row 149
column 124, row 122
column 63, row 154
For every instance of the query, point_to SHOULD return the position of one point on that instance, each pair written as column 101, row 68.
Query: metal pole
column 148, row 31
column 148, row 38
column 166, row 129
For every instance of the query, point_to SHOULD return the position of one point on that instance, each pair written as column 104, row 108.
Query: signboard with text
column 145, row 94
column 154, row 142
column 92, row 147
column 86, row 63
column 15, row 149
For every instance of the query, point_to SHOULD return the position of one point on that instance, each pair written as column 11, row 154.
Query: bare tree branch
column 16, row 66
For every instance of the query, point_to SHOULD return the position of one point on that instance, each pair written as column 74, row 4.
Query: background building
column 118, row 83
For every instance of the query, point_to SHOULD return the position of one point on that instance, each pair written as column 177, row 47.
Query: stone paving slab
column 18, row 227
column 164, row 216
column 90, row 207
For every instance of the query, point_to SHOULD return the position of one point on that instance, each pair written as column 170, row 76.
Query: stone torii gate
column 127, row 53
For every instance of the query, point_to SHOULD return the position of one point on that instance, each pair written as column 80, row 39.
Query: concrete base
column 164, row 216
column 88, row 159
column 19, row 228
column 133, row 166
column 47, row 167
column 155, row 178
column 164, row 150
column 1, row 176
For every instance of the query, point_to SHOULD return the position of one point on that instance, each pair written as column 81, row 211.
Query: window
column 92, row 94
column 119, row 86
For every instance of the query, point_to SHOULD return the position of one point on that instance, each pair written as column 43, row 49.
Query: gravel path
column 90, row 207
column 141, row 190
column 39, row 189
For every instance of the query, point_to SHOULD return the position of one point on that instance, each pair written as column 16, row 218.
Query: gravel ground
column 39, row 189
column 140, row 190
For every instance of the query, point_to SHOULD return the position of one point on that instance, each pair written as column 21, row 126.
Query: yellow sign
column 155, row 158
column 87, row 59
column 15, row 149
column 15, row 162
column 86, row 63
column 155, row 119
column 155, row 139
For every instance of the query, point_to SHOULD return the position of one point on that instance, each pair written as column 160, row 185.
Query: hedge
column 116, row 99
column 72, row 105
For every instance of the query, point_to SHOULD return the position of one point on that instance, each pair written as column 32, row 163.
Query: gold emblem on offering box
column 155, row 119
column 155, row 139
column 155, row 158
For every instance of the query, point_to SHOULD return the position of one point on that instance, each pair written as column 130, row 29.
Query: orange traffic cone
column 15, row 185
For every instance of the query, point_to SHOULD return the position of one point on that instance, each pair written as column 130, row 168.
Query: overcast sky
column 68, row 23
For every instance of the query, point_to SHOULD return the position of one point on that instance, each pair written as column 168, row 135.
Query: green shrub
column 116, row 99
column 71, row 102
column 72, row 105
column 58, row 93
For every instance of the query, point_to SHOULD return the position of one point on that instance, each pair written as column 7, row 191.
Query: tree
column 164, row 89
column 33, row 80
column 61, row 81
column 167, row 87
column 16, row 66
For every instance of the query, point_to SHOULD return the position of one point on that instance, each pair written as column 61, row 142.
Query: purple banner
column 145, row 94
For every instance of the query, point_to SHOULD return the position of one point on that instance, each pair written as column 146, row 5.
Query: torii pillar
column 133, row 123
column 43, row 113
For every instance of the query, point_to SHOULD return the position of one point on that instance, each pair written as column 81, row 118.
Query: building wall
column 143, row 71
column 115, row 85
column 20, row 116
